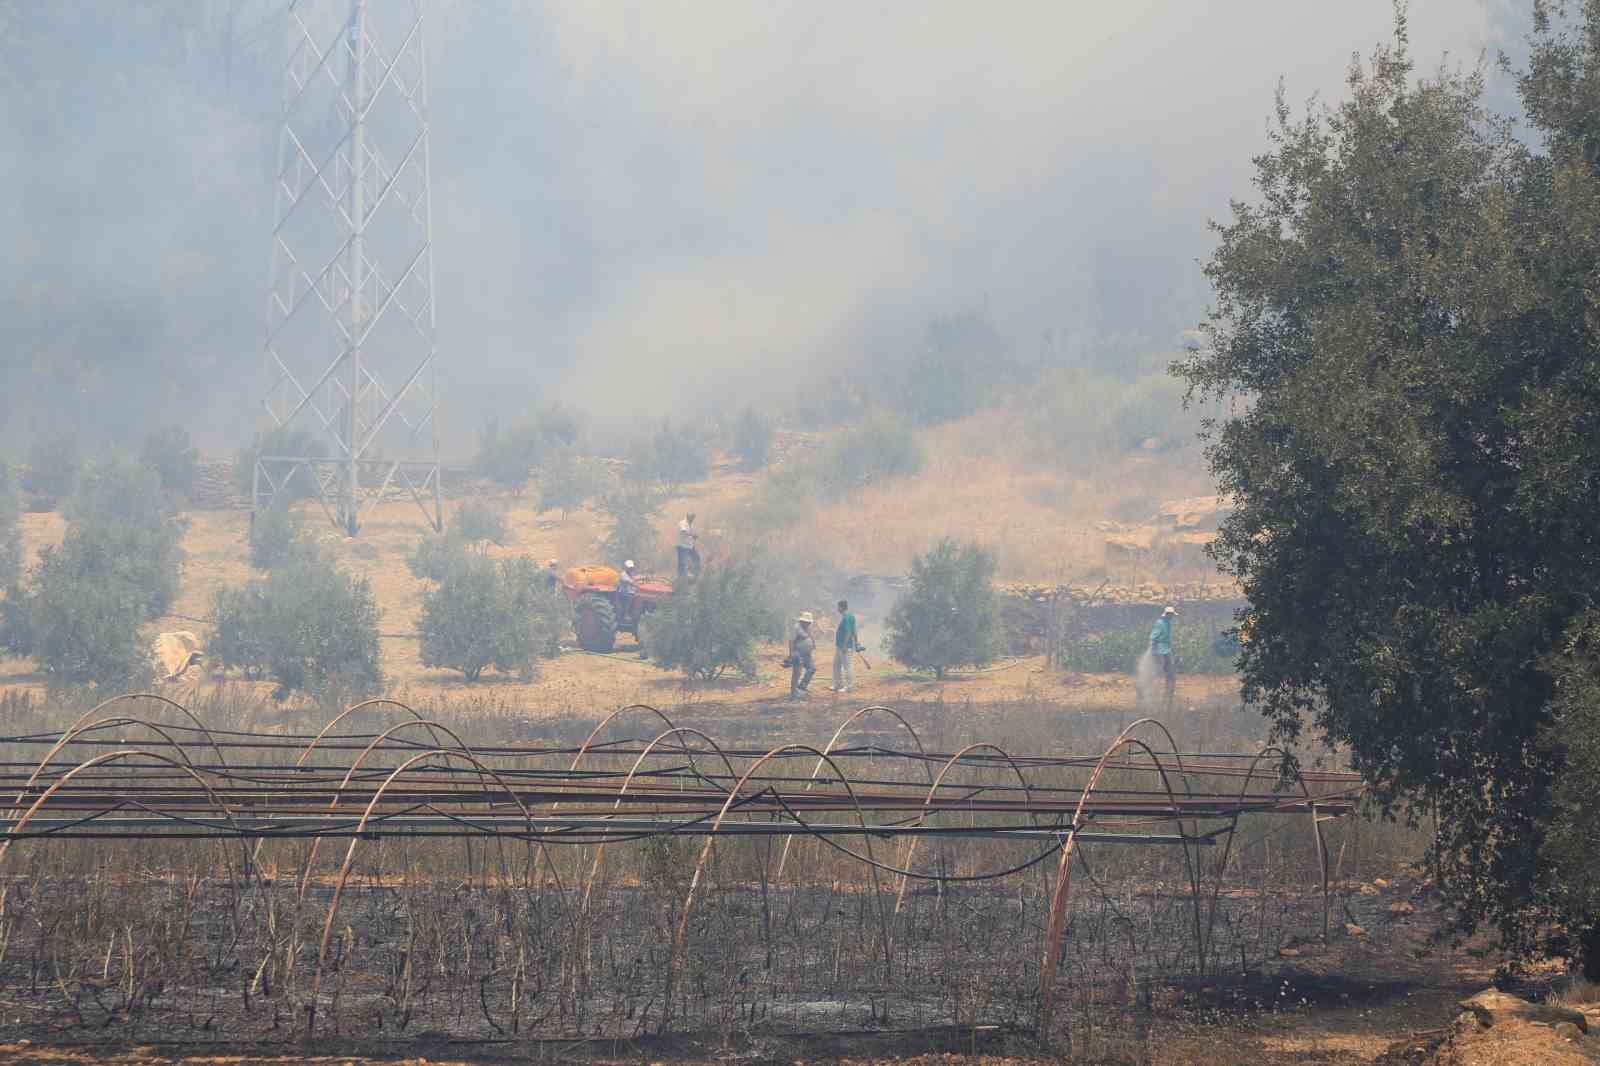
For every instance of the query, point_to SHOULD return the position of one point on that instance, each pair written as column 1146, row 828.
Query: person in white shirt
column 688, row 554
column 627, row 588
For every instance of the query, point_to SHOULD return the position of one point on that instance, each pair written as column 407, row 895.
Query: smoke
column 1144, row 678
column 649, row 207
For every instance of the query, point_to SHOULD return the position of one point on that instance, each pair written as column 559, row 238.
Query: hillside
column 1084, row 519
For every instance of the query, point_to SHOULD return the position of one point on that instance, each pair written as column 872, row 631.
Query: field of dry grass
column 1041, row 516
column 1040, row 512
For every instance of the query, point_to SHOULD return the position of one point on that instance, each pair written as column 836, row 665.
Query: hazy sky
column 639, row 202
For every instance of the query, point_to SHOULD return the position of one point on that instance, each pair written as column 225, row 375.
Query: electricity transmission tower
column 351, row 390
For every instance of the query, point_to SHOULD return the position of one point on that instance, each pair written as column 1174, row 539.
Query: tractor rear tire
column 594, row 621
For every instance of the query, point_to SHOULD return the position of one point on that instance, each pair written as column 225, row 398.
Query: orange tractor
column 597, row 617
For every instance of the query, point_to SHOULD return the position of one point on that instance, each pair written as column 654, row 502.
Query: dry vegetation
column 1039, row 515
column 121, row 944
column 1039, row 509
column 447, row 940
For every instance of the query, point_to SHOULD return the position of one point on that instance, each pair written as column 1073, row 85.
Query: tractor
column 595, row 617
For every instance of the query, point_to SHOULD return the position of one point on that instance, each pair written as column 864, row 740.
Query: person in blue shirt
column 845, row 644
column 1161, row 648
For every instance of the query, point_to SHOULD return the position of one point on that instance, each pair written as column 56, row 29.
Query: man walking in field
column 802, row 665
column 845, row 645
column 688, row 554
column 1161, row 648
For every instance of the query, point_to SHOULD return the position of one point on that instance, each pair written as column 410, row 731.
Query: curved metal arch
column 1058, row 899
column 338, row 794
column 355, row 839
column 583, row 749
column 600, row 848
column 933, row 789
column 1233, row 825
column 783, row 857
column 353, row 708
column 76, row 731
column 100, row 760
column 607, row 720
column 328, row 728
column 75, row 727
column 705, row 854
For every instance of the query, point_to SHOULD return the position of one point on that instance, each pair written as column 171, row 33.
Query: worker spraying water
column 1158, row 658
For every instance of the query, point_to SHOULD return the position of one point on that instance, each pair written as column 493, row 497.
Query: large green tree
column 1406, row 323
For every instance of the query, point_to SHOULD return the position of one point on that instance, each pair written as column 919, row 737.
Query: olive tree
column 307, row 625
column 710, row 625
column 949, row 617
column 487, row 613
column 1406, row 311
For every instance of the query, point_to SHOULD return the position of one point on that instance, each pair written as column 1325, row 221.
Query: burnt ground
column 1387, row 998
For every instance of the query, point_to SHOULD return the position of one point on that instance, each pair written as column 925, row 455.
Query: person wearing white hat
column 802, row 645
column 1161, row 648
column 627, row 585
column 552, row 574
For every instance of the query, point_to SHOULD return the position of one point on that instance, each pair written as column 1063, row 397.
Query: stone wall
column 1039, row 618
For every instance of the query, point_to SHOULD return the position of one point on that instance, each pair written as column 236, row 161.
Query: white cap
column 628, row 565
column 1170, row 610
column 805, row 616
column 552, row 562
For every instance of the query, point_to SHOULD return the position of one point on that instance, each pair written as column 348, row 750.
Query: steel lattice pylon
column 350, row 345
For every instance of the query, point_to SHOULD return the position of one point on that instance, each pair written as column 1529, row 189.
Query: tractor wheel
column 594, row 620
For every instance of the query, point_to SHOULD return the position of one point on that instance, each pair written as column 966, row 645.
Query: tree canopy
column 1405, row 323
column 949, row 616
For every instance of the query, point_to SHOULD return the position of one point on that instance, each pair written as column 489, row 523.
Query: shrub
column 633, row 509
column 176, row 461
column 116, row 568
column 238, row 629
column 881, row 446
column 785, row 495
column 10, row 531
column 566, row 480
column 487, row 613
column 16, row 620
column 672, row 455
column 307, row 625
column 559, row 427
column 949, row 616
column 52, row 470
column 293, row 484
column 436, row 555
column 479, row 523
column 752, row 438
column 275, row 534
column 1197, row 648
column 955, row 374
column 83, row 629
column 508, row 455
column 122, row 529
column 710, row 626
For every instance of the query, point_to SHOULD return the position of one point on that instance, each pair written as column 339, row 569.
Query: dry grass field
column 1042, row 518
column 1040, row 512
